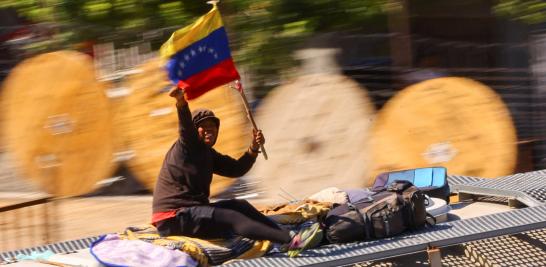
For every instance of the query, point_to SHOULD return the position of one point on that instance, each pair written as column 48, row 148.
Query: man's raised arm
column 186, row 129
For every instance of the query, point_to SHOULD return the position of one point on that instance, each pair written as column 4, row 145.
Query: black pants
column 221, row 220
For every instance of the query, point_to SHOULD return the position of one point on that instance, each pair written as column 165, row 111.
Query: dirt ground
column 71, row 218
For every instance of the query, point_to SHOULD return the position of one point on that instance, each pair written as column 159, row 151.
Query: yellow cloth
column 185, row 244
column 259, row 249
column 298, row 212
column 192, row 33
column 194, row 247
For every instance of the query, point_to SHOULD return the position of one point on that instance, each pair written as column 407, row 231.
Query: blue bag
column 432, row 181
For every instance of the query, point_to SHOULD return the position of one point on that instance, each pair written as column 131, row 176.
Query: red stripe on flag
column 202, row 82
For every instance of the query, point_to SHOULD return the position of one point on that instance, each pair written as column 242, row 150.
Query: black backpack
column 397, row 208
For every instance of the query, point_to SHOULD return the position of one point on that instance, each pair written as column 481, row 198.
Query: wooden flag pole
column 239, row 88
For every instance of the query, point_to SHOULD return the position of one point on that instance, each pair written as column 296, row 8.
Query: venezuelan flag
column 199, row 55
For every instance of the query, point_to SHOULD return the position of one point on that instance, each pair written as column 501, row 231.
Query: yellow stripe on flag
column 192, row 33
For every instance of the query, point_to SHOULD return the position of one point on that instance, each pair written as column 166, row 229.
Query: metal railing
column 26, row 222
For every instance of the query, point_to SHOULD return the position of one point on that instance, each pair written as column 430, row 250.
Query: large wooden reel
column 453, row 122
column 316, row 129
column 56, row 122
column 151, row 123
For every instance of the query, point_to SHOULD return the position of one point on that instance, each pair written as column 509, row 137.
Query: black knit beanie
column 201, row 114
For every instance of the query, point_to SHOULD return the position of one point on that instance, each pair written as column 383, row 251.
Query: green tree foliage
column 120, row 21
column 266, row 33
column 528, row 11
column 263, row 33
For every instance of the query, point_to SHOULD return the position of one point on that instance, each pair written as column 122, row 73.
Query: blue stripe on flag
column 199, row 56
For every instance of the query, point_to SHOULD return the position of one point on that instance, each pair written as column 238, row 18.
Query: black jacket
column 185, row 177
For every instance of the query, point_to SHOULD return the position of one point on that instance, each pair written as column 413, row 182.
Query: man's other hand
column 258, row 140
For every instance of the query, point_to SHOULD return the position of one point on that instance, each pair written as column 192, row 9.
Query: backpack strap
column 363, row 217
column 399, row 186
column 429, row 216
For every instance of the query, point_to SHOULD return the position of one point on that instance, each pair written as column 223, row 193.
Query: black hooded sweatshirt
column 185, row 177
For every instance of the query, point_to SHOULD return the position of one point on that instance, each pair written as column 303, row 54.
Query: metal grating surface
column 538, row 235
column 442, row 235
column 61, row 247
column 375, row 264
column 457, row 261
column 451, row 257
column 514, row 250
column 490, row 199
column 537, row 193
column 529, row 187
column 523, row 249
column 524, row 182
column 460, row 179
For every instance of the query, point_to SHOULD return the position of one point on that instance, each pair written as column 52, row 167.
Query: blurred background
column 343, row 90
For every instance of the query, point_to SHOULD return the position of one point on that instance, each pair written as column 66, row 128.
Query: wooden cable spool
column 316, row 129
column 56, row 122
column 453, row 122
column 152, row 124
